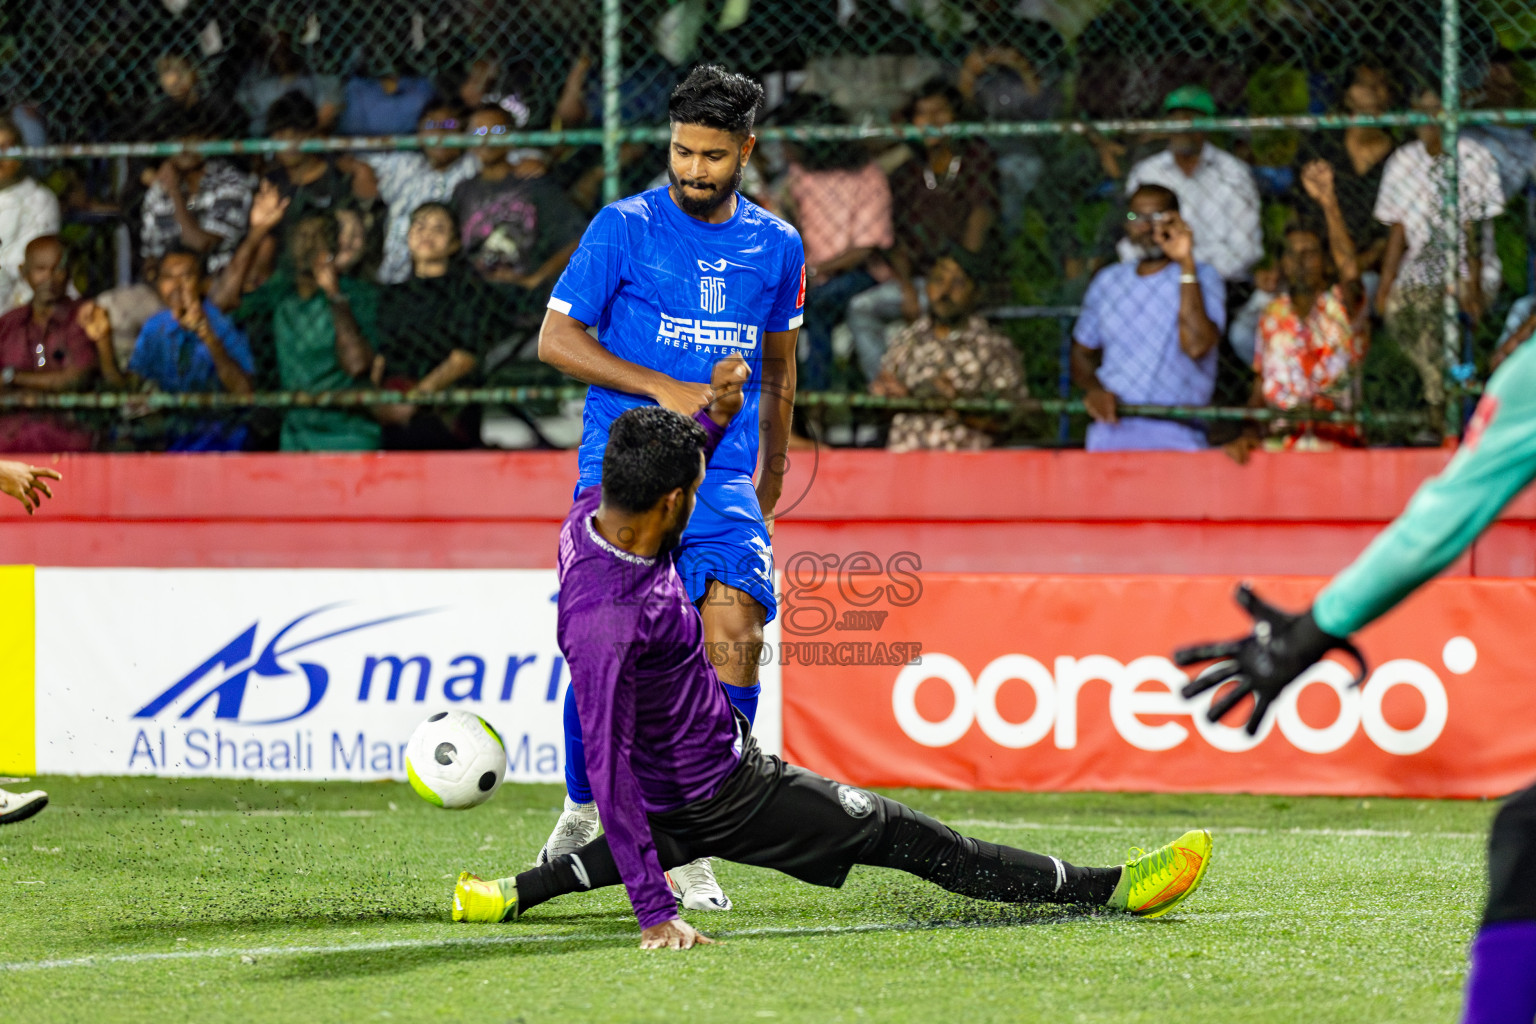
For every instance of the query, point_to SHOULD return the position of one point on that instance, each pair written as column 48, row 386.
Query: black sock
column 918, row 844
column 590, row 867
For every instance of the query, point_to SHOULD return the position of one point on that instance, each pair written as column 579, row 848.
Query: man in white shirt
column 1217, row 196
column 1411, row 203
column 27, row 211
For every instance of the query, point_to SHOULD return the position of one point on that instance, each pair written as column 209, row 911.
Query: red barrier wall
column 1010, row 511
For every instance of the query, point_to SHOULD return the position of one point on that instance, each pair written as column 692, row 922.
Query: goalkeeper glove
column 1281, row 647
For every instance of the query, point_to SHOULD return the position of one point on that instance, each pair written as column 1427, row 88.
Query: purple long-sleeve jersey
column 657, row 724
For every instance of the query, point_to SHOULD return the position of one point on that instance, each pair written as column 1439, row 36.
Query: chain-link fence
column 1007, row 240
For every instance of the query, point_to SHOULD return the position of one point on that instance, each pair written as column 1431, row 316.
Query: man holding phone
column 1148, row 332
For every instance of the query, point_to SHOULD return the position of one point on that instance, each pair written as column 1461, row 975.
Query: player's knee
column 1512, row 860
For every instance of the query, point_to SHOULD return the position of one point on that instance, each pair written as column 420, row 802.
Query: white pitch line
column 257, row 952
column 1230, row 830
column 471, row 941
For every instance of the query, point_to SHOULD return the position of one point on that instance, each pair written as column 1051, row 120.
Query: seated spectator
column 191, row 346
column 195, row 202
column 1412, row 292
column 324, row 326
column 1217, row 196
column 519, row 226
column 1512, row 146
column 52, row 344
column 1358, row 155
column 433, row 329
column 1148, row 332
column 27, row 211
column 841, row 202
column 946, row 195
column 950, row 352
column 360, row 240
column 317, row 181
column 282, row 72
column 1312, row 336
column 384, row 102
column 409, row 178
column 184, row 96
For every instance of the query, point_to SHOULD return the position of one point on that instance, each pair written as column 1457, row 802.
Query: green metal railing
column 622, row 20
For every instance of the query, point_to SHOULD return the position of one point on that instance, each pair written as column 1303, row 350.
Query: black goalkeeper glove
column 1281, row 647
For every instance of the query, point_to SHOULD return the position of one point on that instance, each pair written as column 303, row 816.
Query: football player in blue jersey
column 674, row 280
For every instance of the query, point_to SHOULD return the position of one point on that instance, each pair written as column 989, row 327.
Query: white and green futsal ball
column 455, row 760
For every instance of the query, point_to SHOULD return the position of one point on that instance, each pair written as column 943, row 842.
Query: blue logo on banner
column 236, row 659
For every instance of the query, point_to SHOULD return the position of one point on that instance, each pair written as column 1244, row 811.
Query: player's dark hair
column 1169, row 197
column 716, row 98
column 292, row 111
column 650, row 452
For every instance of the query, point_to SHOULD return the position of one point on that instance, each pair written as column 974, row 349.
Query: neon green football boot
column 483, row 900
column 1151, row 884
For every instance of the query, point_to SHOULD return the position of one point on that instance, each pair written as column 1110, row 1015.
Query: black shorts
column 775, row 815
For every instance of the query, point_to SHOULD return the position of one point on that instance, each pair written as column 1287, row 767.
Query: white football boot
column 694, row 885
column 16, row 807
column 578, row 826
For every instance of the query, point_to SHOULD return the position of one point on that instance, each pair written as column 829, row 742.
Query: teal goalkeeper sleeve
column 1496, row 460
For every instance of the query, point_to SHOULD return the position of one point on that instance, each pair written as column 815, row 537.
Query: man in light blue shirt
column 1148, row 332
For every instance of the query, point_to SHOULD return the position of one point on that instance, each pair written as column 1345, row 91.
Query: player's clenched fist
column 682, row 396
column 727, row 380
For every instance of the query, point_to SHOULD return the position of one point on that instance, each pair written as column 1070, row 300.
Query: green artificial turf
column 208, row 901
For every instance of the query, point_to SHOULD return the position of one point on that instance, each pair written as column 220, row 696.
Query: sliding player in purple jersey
column 674, row 280
column 673, row 766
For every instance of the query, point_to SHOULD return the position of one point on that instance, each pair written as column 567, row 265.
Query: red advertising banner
column 1066, row 683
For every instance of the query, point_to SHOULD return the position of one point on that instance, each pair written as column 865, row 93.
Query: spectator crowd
column 1205, row 269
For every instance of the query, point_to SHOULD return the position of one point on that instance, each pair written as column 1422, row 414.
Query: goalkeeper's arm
column 1496, row 461
column 1447, row 514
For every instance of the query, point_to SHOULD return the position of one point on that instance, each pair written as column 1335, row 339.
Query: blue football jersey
column 674, row 294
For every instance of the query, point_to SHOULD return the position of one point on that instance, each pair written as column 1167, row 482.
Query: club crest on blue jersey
column 712, row 294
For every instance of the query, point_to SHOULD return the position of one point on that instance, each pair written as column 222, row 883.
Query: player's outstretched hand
column 1281, row 647
column 729, row 376
column 673, row 934
column 25, row 483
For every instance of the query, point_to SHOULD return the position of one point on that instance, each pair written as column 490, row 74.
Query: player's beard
column 672, row 537
column 703, row 207
column 674, row 534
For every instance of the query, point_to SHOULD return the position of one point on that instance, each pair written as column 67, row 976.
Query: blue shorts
column 727, row 540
